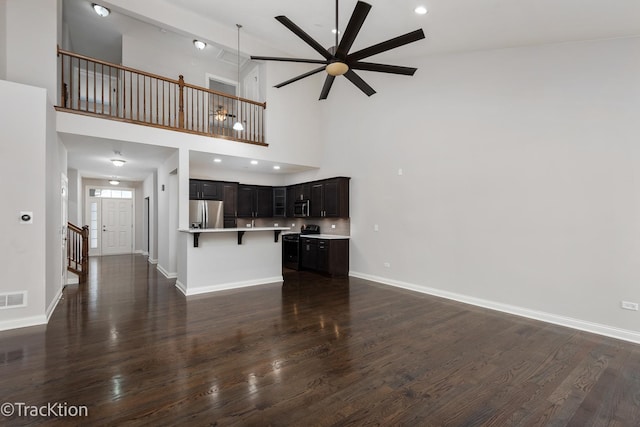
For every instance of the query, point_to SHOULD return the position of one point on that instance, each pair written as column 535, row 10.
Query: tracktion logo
column 55, row 409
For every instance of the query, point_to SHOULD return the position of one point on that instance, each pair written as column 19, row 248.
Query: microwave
column 301, row 208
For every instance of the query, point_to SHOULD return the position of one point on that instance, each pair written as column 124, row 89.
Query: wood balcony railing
column 99, row 88
column 78, row 251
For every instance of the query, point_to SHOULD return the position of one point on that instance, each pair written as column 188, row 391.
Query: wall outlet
column 387, row 264
column 627, row 305
column 275, row 224
column 400, row 171
column 376, row 227
column 293, row 225
column 333, row 226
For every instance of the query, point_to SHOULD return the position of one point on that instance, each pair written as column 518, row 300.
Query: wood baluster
column 181, row 102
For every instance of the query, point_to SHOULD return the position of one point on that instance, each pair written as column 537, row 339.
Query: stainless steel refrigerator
column 206, row 214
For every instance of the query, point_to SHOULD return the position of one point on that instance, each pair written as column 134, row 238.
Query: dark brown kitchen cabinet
column 297, row 192
column 330, row 198
column 327, row 256
column 201, row 189
column 230, row 199
column 255, row 201
column 308, row 253
column 279, row 201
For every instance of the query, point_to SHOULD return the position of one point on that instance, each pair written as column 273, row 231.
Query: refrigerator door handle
column 205, row 208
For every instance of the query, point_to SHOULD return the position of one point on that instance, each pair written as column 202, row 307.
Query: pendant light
column 238, row 124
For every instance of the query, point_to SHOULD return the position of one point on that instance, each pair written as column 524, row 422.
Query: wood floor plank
column 313, row 351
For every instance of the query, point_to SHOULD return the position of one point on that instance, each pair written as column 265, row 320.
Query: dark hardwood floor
column 313, row 351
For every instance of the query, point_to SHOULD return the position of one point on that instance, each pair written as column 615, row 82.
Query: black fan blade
column 301, row 76
column 353, row 28
column 327, row 86
column 273, row 58
column 383, row 68
column 362, row 85
column 385, row 46
column 304, row 36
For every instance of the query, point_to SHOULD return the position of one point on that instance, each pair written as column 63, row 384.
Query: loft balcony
column 98, row 88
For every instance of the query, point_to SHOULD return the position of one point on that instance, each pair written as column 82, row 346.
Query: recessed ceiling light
column 420, row 10
column 217, row 160
column 118, row 162
column 276, row 167
column 254, row 162
column 199, row 44
column 101, row 10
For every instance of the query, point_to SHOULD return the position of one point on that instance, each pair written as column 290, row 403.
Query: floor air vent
column 13, row 300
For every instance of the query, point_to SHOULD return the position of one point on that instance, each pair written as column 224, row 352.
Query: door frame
column 64, row 214
column 87, row 212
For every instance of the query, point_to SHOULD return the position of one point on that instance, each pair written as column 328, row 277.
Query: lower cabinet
column 308, row 253
column 328, row 256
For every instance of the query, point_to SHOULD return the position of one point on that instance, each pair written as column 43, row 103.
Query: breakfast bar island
column 216, row 259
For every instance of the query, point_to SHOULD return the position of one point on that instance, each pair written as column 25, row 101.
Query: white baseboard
column 72, row 278
column 141, row 252
column 182, row 288
column 165, row 273
column 227, row 286
column 53, row 304
column 152, row 261
column 23, row 322
column 582, row 325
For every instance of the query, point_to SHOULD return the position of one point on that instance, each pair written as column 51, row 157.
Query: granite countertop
column 227, row 230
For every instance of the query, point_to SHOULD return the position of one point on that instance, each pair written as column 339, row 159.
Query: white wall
column 166, row 259
column 75, row 197
column 22, row 252
column 31, row 48
column 150, row 190
column 3, row 40
column 520, row 178
column 56, row 165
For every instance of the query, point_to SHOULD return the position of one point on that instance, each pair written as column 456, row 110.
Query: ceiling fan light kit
column 338, row 61
column 337, row 68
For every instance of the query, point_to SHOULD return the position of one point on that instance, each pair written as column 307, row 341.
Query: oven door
column 301, row 208
column 291, row 252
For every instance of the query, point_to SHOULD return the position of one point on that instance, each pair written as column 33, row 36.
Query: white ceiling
column 91, row 157
column 450, row 26
column 205, row 161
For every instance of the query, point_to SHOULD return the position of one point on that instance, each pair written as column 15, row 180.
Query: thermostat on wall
column 26, row 217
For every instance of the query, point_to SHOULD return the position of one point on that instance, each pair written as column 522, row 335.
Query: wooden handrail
column 78, row 251
column 95, row 87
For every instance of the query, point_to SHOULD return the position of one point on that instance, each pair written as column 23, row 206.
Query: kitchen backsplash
column 342, row 226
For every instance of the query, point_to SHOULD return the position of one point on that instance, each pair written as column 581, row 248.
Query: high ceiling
column 449, row 25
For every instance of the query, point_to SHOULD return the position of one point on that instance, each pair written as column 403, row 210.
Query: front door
column 117, row 226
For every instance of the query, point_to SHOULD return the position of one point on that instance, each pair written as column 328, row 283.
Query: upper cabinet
column 230, row 199
column 330, row 198
column 200, row 189
column 279, row 201
column 255, row 201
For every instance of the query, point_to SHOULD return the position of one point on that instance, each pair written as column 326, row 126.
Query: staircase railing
column 98, row 88
column 78, row 251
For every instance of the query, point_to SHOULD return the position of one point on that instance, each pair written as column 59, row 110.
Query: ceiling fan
column 338, row 61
